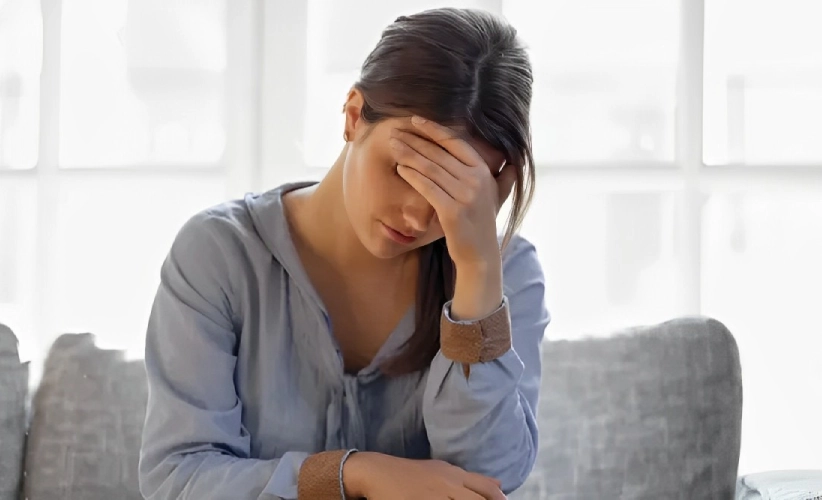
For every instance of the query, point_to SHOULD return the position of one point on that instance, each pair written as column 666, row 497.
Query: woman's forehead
column 492, row 157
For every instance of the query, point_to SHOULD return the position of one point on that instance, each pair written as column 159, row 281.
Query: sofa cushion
column 648, row 413
column 87, row 419
column 14, row 378
column 781, row 485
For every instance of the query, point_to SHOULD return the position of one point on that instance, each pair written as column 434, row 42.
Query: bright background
column 678, row 142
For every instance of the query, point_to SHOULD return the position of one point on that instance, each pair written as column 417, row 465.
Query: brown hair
column 458, row 67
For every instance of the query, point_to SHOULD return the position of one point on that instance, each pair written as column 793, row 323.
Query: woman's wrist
column 355, row 474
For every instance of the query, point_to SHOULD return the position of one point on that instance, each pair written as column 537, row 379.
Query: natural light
column 679, row 162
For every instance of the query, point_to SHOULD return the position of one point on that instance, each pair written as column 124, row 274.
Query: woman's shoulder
column 519, row 249
column 253, row 224
column 520, row 263
column 227, row 225
column 226, row 235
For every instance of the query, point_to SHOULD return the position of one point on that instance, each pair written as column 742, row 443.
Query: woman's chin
column 385, row 250
column 383, row 245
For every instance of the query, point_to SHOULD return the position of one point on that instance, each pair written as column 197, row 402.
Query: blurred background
column 678, row 147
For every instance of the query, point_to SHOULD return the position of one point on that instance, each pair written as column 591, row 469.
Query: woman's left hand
column 459, row 185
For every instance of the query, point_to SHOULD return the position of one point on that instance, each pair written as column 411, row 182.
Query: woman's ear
column 353, row 113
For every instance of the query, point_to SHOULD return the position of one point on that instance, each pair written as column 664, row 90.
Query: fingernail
column 418, row 120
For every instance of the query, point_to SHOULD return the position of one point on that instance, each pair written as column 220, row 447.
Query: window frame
column 239, row 165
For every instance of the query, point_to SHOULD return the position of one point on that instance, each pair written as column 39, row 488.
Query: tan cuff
column 319, row 477
column 480, row 341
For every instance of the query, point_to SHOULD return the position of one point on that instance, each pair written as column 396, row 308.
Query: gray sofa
column 646, row 413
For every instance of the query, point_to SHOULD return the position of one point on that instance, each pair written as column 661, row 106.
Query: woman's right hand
column 376, row 476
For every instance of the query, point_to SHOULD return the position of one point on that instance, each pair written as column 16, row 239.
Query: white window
column 763, row 82
column 21, row 35
column 118, row 121
column 142, row 83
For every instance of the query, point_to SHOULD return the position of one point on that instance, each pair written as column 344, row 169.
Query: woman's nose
column 418, row 213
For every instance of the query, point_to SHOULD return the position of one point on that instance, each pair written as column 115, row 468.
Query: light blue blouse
column 246, row 379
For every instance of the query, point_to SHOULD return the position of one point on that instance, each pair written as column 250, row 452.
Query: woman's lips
column 398, row 236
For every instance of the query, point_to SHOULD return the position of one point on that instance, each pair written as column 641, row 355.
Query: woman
column 374, row 311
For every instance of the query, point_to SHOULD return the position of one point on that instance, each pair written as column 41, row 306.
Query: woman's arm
column 194, row 443
column 484, row 419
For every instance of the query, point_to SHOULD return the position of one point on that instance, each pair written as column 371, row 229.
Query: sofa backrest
column 14, row 381
column 648, row 413
column 86, row 425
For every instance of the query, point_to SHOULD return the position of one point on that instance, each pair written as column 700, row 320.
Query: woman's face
column 388, row 216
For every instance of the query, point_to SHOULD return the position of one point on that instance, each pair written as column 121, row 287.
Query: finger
column 487, row 487
column 506, row 179
column 450, row 140
column 429, row 189
column 433, row 152
column 406, row 155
